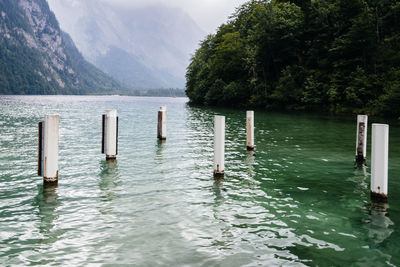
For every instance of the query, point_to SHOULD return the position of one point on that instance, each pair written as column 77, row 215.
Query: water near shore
column 297, row 201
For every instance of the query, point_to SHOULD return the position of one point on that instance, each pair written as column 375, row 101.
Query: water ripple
column 296, row 200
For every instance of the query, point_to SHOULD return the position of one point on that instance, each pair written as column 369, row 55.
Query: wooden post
column 162, row 123
column 219, row 146
column 361, row 141
column 379, row 162
column 109, row 140
column 250, row 130
column 48, row 148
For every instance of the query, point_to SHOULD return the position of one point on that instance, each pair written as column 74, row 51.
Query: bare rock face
column 39, row 54
column 46, row 37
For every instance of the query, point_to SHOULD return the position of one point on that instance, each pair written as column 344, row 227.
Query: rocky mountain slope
column 36, row 57
column 145, row 47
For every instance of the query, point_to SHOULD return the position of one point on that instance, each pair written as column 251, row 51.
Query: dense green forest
column 340, row 56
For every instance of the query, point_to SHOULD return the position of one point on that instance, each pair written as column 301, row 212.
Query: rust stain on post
column 51, row 180
column 45, row 165
column 249, row 125
column 250, row 130
column 116, row 144
column 159, row 125
column 40, row 149
column 103, row 133
column 360, row 157
column 218, row 173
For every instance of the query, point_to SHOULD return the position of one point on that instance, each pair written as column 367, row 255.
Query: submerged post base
column 250, row 148
column 381, row 198
column 162, row 138
column 219, row 174
column 47, row 180
column 360, row 160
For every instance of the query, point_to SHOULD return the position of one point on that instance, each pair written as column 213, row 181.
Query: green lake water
column 297, row 200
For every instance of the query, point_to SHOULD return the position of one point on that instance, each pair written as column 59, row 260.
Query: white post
column 250, row 130
column 361, row 140
column 379, row 161
column 219, row 146
column 162, row 123
column 110, row 134
column 48, row 148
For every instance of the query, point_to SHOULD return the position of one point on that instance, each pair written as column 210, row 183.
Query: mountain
column 144, row 47
column 36, row 57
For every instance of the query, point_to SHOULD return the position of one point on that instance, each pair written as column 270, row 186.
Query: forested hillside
column 324, row 55
column 36, row 57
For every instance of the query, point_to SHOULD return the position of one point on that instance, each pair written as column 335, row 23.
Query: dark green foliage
column 19, row 70
column 328, row 55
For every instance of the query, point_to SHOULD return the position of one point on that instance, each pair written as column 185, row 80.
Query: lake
column 297, row 200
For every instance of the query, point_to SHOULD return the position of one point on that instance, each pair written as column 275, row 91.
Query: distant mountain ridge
column 36, row 57
column 147, row 47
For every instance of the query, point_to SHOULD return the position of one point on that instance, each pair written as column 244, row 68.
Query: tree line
column 335, row 56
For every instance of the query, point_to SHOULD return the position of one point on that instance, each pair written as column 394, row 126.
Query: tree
column 331, row 55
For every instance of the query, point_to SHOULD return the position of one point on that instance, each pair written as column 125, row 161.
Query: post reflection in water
column 380, row 225
column 160, row 149
column 250, row 160
column 109, row 179
column 223, row 231
column 360, row 179
column 47, row 202
column 303, row 204
column 218, row 189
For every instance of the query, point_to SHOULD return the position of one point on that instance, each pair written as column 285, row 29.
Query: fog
column 153, row 39
column 208, row 14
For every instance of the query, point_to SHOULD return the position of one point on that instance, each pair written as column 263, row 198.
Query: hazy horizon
column 143, row 44
column 208, row 14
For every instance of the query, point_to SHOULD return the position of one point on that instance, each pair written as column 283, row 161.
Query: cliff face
column 36, row 57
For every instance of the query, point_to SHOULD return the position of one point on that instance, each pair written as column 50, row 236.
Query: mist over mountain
column 36, row 57
column 144, row 47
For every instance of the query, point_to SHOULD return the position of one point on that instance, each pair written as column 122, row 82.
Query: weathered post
column 379, row 162
column 219, row 146
column 162, row 123
column 109, row 142
column 361, row 141
column 48, row 148
column 250, row 130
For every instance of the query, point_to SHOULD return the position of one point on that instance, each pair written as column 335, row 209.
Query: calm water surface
column 297, row 201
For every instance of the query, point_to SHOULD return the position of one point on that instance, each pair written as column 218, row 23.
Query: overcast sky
column 208, row 14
